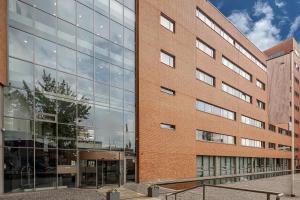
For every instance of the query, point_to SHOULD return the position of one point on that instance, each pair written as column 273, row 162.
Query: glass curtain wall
column 71, row 87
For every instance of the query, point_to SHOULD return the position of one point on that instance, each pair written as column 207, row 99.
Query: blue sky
column 264, row 22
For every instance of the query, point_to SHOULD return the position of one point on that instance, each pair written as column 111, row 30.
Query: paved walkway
column 279, row 184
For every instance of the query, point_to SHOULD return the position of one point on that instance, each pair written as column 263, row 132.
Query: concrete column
column 218, row 166
column 237, row 165
column 1, row 143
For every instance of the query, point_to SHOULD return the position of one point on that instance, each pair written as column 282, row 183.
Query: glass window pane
column 45, row 25
column 101, row 25
column 102, row 6
column 116, row 33
column 129, row 59
column 20, row 44
column 85, row 89
column 129, row 122
column 15, row 159
column 45, row 53
column 86, row 137
column 66, row 59
column 45, row 135
column 84, row 41
column 101, row 48
column 130, row 4
column 48, row 6
column 18, row 103
column 66, row 111
column 45, row 79
column 87, row 2
column 67, row 157
column 129, row 101
column 129, row 18
column 85, row 114
column 129, row 41
column 66, row 137
column 66, row 34
column 20, row 74
column 66, row 10
column 18, row 132
column 84, row 17
column 129, row 80
column 101, row 71
column 116, row 97
column 20, row 15
column 116, row 76
column 66, row 84
column 85, row 66
column 46, row 105
column 45, row 167
column 116, row 11
column 102, row 94
column 116, row 54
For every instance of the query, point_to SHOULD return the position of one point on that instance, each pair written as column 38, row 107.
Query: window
column 167, row 126
column 204, row 77
column 205, row 48
column 282, row 147
column 101, row 25
column 20, row 44
column 167, row 59
column 260, row 84
column 252, row 143
column 260, row 104
column 66, row 10
column 296, row 94
column 85, row 66
column 236, row 69
column 237, row 93
column 167, row 90
column 102, row 6
column 45, row 53
column 272, row 128
column 284, row 132
column 297, row 67
column 116, row 11
column 116, row 33
column 252, row 122
column 84, row 17
column 66, row 59
column 116, row 54
column 215, row 110
column 214, row 137
column 129, row 18
column 214, row 26
column 296, row 108
column 167, row 23
column 272, row 145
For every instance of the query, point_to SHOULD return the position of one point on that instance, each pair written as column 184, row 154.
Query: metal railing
column 204, row 186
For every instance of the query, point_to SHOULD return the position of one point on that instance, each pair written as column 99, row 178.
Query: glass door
column 100, row 173
column 88, row 173
column 108, row 172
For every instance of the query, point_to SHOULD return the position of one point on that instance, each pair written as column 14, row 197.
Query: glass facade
column 71, row 88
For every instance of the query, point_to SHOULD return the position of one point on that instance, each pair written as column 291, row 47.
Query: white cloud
column 294, row 26
column 263, row 33
column 280, row 3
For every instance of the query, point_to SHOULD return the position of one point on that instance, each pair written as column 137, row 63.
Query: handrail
column 268, row 193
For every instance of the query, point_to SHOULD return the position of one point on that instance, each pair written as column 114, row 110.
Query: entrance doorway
column 96, row 173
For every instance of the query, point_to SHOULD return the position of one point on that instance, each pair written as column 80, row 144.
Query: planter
column 113, row 195
column 153, row 191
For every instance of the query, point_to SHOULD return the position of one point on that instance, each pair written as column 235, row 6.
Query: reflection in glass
column 45, row 79
column 87, row 2
column 66, row 34
column 66, row 84
column 101, row 71
column 66, row 136
column 116, row 33
column 18, row 171
column 116, row 11
column 116, row 97
column 85, row 114
column 116, row 76
column 45, row 24
column 45, row 53
column 129, row 80
column 129, row 101
column 20, row 74
column 86, row 138
column 116, row 54
column 18, row 103
column 66, row 10
column 85, row 66
column 66, row 111
column 129, row 59
column 48, row 6
column 84, row 17
column 85, row 89
column 129, row 39
column 20, row 44
column 45, row 135
column 102, row 94
column 102, row 6
column 84, row 41
column 101, row 25
column 66, row 59
column 129, row 18
column 20, row 14
column 130, row 4
column 101, row 48
column 18, row 132
column 45, row 167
